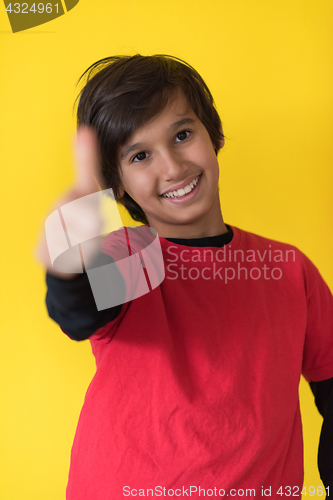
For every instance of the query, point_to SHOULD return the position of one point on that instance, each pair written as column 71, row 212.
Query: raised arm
column 69, row 300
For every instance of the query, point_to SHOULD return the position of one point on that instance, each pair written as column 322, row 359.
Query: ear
column 121, row 192
column 222, row 142
column 221, row 146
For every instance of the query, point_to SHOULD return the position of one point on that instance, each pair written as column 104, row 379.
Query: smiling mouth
column 181, row 193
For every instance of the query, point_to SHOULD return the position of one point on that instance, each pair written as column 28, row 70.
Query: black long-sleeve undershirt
column 71, row 304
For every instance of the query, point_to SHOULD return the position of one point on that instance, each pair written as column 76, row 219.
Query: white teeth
column 181, row 192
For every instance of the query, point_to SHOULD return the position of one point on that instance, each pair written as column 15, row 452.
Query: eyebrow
column 139, row 145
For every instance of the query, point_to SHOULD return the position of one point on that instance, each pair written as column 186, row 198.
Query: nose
column 172, row 165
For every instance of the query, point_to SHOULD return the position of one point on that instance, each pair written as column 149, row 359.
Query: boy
column 196, row 388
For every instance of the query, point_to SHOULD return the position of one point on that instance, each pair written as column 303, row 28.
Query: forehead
column 177, row 104
column 176, row 111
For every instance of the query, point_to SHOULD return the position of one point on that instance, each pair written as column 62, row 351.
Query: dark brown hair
column 122, row 93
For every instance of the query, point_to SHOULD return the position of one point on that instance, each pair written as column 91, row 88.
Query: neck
column 210, row 224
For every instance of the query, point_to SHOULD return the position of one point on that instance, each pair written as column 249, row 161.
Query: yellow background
column 269, row 66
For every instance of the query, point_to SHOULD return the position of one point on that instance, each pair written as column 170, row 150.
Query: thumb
column 87, row 161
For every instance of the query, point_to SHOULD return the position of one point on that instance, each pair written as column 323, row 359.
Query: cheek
column 204, row 152
column 141, row 186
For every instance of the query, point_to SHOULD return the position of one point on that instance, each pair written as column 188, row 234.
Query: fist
column 72, row 230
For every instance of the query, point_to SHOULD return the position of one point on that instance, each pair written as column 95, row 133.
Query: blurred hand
column 81, row 219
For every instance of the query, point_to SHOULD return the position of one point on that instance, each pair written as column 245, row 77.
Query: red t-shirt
column 196, row 388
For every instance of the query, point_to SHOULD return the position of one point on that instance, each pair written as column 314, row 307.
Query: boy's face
column 167, row 154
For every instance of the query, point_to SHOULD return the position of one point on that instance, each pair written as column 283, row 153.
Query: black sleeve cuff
column 323, row 392
column 71, row 304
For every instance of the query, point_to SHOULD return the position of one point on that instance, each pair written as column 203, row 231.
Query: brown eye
column 139, row 157
column 183, row 135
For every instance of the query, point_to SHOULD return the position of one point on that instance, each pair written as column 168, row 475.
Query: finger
column 87, row 161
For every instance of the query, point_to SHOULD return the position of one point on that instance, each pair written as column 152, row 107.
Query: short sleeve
column 318, row 345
